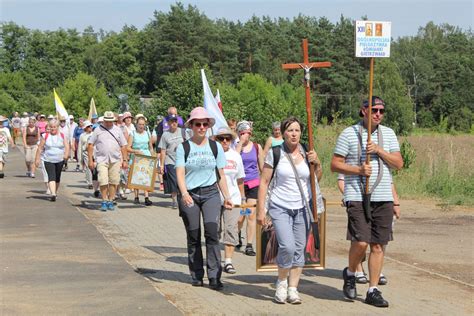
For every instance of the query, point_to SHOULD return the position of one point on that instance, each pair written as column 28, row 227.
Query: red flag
column 218, row 100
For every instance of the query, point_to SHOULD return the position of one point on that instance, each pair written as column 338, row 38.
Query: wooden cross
column 307, row 66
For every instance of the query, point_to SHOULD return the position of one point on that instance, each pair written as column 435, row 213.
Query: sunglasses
column 381, row 111
column 224, row 138
column 203, row 124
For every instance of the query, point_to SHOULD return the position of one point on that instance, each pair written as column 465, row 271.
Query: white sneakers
column 293, row 296
column 285, row 294
column 281, row 293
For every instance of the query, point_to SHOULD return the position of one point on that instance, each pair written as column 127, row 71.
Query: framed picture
column 267, row 248
column 142, row 173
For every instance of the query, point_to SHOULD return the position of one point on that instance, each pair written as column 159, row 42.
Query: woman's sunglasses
column 224, row 138
column 203, row 124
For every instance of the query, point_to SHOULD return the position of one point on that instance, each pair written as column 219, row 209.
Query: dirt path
column 428, row 265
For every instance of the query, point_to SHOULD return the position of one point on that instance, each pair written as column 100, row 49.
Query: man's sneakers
column 104, row 206
column 281, row 293
column 110, row 206
column 375, row 299
column 383, row 280
column 349, row 287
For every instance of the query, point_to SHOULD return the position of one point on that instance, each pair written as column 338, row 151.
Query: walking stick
column 367, row 195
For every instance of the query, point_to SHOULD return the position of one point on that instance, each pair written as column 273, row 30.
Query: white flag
column 211, row 106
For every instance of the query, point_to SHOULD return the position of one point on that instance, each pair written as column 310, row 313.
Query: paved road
column 152, row 241
column 54, row 261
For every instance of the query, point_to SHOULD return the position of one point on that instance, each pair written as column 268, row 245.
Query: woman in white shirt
column 286, row 207
column 234, row 175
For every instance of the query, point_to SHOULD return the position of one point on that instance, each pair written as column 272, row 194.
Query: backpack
column 3, row 138
column 212, row 144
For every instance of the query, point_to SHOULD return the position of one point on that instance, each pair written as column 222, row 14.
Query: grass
column 443, row 167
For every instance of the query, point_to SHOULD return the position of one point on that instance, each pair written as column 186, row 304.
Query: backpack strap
column 183, row 133
column 212, row 144
column 276, row 150
column 187, row 149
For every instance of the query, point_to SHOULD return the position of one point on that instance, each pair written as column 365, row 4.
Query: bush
column 408, row 153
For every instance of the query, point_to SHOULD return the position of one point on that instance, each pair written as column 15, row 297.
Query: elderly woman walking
column 288, row 206
column 56, row 151
column 199, row 170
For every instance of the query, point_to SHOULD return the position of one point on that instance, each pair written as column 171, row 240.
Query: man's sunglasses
column 224, row 138
column 381, row 111
column 199, row 124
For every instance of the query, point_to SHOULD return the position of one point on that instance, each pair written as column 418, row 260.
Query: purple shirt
column 250, row 161
column 108, row 148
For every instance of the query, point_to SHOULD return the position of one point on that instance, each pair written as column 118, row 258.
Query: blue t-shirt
column 201, row 164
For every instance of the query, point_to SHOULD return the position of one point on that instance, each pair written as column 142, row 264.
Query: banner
column 211, row 106
column 92, row 109
column 60, row 109
column 373, row 38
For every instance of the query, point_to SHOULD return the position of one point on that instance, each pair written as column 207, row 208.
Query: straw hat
column 226, row 131
column 126, row 115
column 87, row 124
column 2, row 118
column 109, row 116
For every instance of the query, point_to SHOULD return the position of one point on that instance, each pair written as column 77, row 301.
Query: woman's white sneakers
column 285, row 294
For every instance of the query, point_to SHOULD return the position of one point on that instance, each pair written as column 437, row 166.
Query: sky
column 111, row 15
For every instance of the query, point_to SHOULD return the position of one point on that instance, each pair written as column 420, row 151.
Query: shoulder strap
column 187, row 149
column 380, row 161
column 276, row 150
column 183, row 133
column 62, row 135
column 213, row 145
column 256, row 148
column 101, row 126
column 46, row 135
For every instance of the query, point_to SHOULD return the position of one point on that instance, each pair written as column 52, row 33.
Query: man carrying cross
column 373, row 225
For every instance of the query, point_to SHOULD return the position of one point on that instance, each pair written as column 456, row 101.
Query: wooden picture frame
column 142, row 173
column 263, row 240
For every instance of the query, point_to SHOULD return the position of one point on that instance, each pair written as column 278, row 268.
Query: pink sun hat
column 200, row 113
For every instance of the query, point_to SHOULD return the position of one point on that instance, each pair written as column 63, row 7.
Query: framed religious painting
column 267, row 246
column 142, row 173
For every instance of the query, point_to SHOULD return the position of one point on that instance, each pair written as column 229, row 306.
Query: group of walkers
column 231, row 180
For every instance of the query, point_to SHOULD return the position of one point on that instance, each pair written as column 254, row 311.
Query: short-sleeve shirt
column 107, row 148
column 16, row 122
column 24, row 121
column 233, row 170
column 4, row 139
column 200, row 165
column 347, row 147
column 170, row 142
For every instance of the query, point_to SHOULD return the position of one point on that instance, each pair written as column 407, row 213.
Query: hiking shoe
column 349, row 287
column 78, row 169
column 215, row 284
column 1, row 175
column 32, row 175
column 110, row 206
column 249, row 250
column 136, row 201
column 198, row 282
column 174, row 204
column 53, row 198
column 96, row 193
column 361, row 278
column 281, row 293
column 104, row 206
column 382, row 280
column 375, row 299
column 293, row 296
column 148, row 202
column 229, row 268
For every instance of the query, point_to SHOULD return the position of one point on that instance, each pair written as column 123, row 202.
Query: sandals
column 361, row 279
column 249, row 251
column 382, row 280
column 229, row 268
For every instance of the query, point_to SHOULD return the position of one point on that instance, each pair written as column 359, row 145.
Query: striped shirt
column 347, row 147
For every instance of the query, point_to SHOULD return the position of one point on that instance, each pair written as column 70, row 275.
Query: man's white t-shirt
column 233, row 170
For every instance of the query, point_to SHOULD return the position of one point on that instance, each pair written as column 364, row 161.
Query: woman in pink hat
column 200, row 174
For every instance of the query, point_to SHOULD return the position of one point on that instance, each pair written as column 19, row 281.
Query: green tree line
column 428, row 81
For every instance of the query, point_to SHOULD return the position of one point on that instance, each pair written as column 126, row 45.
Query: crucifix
column 307, row 66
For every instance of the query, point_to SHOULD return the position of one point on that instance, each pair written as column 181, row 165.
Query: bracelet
column 396, row 204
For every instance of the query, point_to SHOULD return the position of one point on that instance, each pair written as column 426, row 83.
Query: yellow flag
column 60, row 109
column 92, row 109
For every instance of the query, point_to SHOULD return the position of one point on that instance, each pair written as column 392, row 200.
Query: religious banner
column 142, row 173
column 373, row 38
